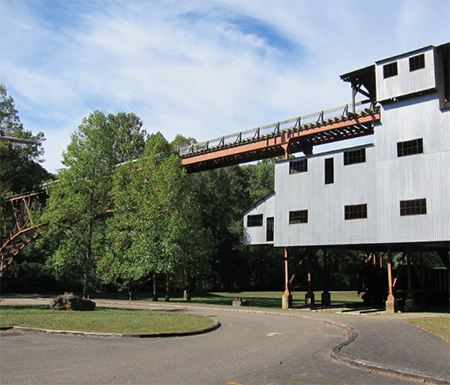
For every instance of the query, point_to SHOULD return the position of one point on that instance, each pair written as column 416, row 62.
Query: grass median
column 101, row 320
column 439, row 326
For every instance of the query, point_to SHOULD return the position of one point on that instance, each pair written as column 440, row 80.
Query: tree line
column 125, row 215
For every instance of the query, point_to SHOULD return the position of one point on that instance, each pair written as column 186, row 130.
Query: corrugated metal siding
column 353, row 184
column 418, row 176
column 381, row 182
column 405, row 82
column 257, row 235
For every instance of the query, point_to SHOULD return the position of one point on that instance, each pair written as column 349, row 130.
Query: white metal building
column 391, row 191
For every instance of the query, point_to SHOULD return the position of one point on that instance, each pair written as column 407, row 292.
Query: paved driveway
column 249, row 348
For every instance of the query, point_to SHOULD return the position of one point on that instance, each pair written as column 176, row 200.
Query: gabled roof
column 260, row 202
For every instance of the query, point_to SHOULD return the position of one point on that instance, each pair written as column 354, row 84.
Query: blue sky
column 197, row 68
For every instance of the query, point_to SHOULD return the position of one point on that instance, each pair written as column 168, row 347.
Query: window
column 255, row 220
column 410, row 147
column 355, row 156
column 413, row 207
column 356, row 211
column 269, row 230
column 298, row 166
column 329, row 171
column 416, row 62
column 390, row 70
column 300, row 216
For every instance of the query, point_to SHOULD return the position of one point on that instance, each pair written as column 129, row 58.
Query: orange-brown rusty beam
column 281, row 140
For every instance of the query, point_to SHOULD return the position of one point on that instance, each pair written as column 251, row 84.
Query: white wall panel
column 406, row 82
column 257, row 235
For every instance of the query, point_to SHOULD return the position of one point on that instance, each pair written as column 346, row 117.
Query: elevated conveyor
column 282, row 138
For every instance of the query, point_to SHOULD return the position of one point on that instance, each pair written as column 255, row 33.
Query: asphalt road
column 249, row 348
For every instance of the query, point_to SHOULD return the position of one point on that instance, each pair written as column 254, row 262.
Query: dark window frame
column 413, row 207
column 329, row 171
column 416, row 62
column 298, row 166
column 269, row 229
column 410, row 147
column 390, row 70
column 354, row 156
column 298, row 216
column 358, row 211
column 255, row 220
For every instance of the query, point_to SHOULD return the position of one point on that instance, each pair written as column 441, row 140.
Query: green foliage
column 80, row 201
column 260, row 178
column 29, row 272
column 155, row 227
column 181, row 141
column 20, row 170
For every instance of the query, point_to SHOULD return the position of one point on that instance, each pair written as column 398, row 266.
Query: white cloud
column 199, row 68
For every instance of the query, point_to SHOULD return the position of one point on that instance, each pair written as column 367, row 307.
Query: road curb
column 23, row 329
column 335, row 353
column 353, row 335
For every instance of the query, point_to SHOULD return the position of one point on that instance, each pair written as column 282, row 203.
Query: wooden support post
column 391, row 302
column 286, row 302
column 285, row 147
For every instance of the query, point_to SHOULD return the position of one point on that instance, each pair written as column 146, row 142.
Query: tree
column 181, row 141
column 20, row 170
column 80, row 201
column 155, row 227
column 260, row 178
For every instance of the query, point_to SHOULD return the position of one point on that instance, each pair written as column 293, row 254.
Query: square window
column 255, row 220
column 356, row 211
column 300, row 216
column 410, row 147
column 298, row 166
column 390, row 70
column 416, row 62
column 413, row 207
column 355, row 156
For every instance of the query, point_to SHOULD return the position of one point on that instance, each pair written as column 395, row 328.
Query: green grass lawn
column 102, row 320
column 436, row 325
column 265, row 299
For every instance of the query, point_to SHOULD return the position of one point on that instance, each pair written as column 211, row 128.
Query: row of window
column 415, row 63
column 350, row 157
column 410, row 147
column 408, row 207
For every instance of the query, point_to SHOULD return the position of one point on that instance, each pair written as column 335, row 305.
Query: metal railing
column 296, row 124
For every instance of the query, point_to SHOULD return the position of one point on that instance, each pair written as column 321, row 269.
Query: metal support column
column 391, row 302
column 409, row 301
column 424, row 301
column 309, row 296
column 286, row 302
column 326, row 298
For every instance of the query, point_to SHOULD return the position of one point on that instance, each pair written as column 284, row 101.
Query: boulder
column 240, row 302
column 71, row 302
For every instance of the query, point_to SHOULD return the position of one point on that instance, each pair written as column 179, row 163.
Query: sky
column 202, row 69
